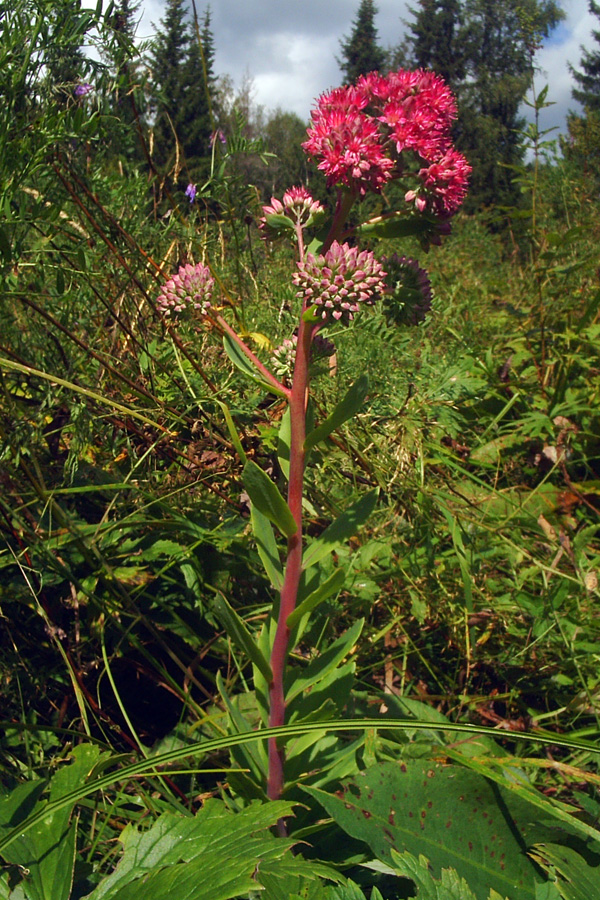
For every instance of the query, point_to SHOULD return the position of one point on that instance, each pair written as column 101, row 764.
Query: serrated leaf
column 450, row 887
column 265, row 495
column 344, row 527
column 345, row 409
column 212, row 856
column 47, row 850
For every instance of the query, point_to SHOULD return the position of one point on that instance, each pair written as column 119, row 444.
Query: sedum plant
column 383, row 129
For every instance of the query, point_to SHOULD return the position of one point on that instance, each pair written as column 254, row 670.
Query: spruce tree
column 485, row 50
column 437, row 39
column 197, row 115
column 126, row 100
column 360, row 51
column 500, row 39
column 168, row 63
column 588, row 79
column 64, row 58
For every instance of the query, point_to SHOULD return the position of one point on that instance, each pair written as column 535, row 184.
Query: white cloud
column 289, row 48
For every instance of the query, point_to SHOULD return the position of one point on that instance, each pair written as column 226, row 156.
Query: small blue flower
column 82, row 89
column 190, row 192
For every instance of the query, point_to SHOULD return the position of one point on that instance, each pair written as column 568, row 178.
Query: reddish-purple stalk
column 298, row 399
column 268, row 376
column 293, row 568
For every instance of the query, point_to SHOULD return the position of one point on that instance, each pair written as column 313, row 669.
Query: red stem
column 268, row 376
column 293, row 568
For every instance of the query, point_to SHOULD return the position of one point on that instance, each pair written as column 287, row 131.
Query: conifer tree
column 65, row 61
column 437, row 40
column 500, row 39
column 126, row 101
column 197, row 114
column 168, row 63
column 360, row 51
column 588, row 79
column 485, row 50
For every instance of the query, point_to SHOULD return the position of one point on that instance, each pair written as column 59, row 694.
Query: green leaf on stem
column 332, row 585
column 241, row 362
column 214, row 855
column 397, row 225
column 239, row 634
column 267, row 547
column 279, row 222
column 47, row 850
column 265, row 495
column 235, row 438
column 344, row 527
column 345, row 409
column 319, row 667
column 284, row 438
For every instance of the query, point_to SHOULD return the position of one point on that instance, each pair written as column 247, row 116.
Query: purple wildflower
column 190, row 192
column 82, row 89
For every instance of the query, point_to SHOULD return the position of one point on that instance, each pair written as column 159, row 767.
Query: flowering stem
column 345, row 201
column 268, row 376
column 293, row 568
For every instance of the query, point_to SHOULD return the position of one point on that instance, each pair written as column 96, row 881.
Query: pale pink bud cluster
column 297, row 204
column 338, row 282
column 391, row 126
column 284, row 355
column 190, row 289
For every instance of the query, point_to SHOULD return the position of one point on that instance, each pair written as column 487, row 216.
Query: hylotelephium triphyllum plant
column 363, row 137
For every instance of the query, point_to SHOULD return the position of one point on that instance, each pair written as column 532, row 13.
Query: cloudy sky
column 289, row 48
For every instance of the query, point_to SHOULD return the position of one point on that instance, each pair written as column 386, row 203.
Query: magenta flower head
column 82, row 89
column 388, row 127
column 190, row 289
column 297, row 208
column 190, row 192
column 336, row 283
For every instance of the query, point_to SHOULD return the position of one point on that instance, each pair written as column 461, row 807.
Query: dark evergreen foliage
column 183, row 87
column 485, row 51
column 168, row 62
column 588, row 79
column 361, row 52
column 65, row 60
column 196, row 113
column 127, row 99
column 437, row 39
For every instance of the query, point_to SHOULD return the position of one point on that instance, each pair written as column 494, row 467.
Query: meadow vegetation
column 443, row 692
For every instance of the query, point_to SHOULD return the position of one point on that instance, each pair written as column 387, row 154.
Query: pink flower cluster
column 190, row 289
column 392, row 126
column 339, row 281
column 285, row 354
column 297, row 205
